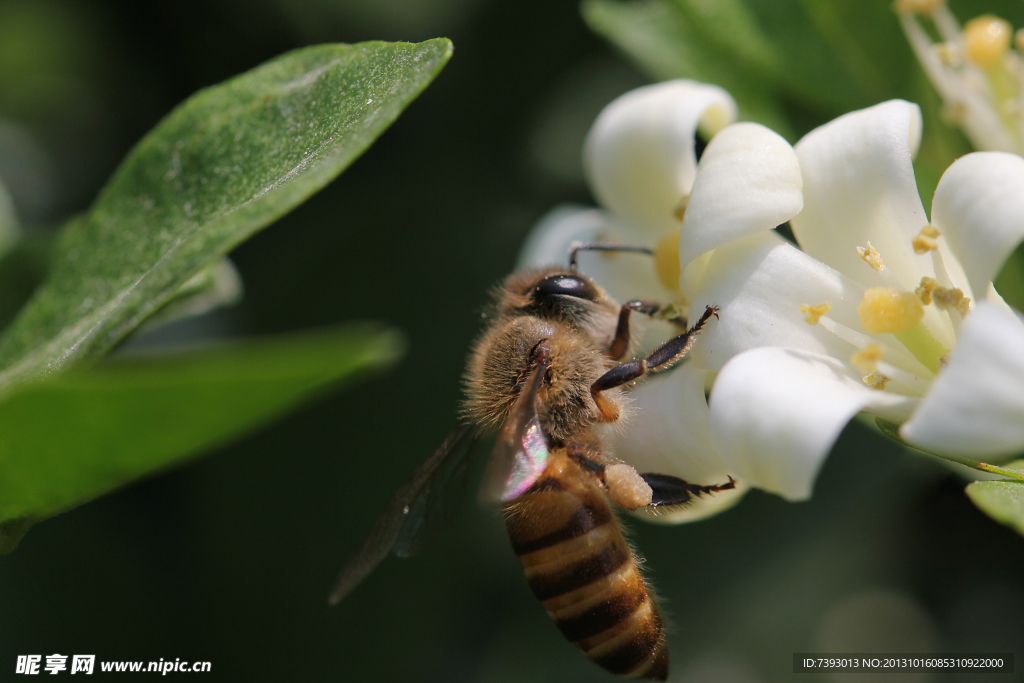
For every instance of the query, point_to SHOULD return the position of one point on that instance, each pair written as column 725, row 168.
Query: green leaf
column 10, row 232
column 69, row 439
column 225, row 163
column 1003, row 501
column 665, row 44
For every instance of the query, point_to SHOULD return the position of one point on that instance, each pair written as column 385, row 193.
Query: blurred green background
column 230, row 559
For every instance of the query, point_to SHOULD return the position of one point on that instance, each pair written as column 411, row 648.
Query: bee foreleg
column 668, row 490
column 620, row 344
column 665, row 356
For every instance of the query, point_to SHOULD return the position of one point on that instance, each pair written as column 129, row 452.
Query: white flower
column 875, row 313
column 976, row 72
column 869, row 316
column 641, row 162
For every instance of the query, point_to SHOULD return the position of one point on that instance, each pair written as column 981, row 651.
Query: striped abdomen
column 580, row 567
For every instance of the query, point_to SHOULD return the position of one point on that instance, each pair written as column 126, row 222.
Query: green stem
column 891, row 430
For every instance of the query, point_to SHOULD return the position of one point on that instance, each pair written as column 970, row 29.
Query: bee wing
column 402, row 524
column 521, row 450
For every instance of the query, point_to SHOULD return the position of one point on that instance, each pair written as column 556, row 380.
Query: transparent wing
column 402, row 525
column 521, row 450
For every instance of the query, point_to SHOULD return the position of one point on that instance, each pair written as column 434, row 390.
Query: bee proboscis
column 546, row 373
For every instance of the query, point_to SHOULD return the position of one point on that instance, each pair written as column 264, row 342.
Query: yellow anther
column 953, row 113
column 885, row 309
column 964, row 306
column 943, row 360
column 925, row 240
column 946, row 299
column 924, row 292
column 871, row 256
column 876, row 381
column 922, row 244
column 987, row 39
column 680, row 211
column 666, row 260
column 815, row 311
column 867, row 358
column 925, row 7
column 949, row 54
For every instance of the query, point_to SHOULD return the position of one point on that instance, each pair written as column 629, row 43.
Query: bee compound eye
column 565, row 285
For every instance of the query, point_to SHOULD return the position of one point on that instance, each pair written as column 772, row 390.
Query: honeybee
column 546, row 374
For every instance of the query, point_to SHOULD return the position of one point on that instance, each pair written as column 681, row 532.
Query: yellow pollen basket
column 885, row 309
column 987, row 39
column 666, row 260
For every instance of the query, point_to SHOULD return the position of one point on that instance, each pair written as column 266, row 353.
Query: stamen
column 876, row 381
column 1018, row 40
column 815, row 311
column 871, row 256
column 986, row 40
column 900, row 354
column 964, row 307
column 924, row 292
column 954, row 114
column 885, row 309
column 947, row 299
column 923, row 7
column 867, row 358
column 925, row 240
column 949, row 54
column 666, row 260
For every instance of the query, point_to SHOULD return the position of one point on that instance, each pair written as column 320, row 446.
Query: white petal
column 979, row 208
column 858, row 187
column 775, row 414
column 668, row 433
column 623, row 276
column 976, row 404
column 748, row 181
column 759, row 283
column 639, row 155
column 548, row 242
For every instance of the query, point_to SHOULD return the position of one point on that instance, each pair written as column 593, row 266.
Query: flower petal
column 623, row 276
column 748, row 181
column 639, row 155
column 976, row 404
column 859, row 187
column 668, row 433
column 775, row 414
column 979, row 208
column 759, row 283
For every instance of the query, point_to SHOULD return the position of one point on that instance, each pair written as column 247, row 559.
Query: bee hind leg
column 668, row 491
column 625, row 486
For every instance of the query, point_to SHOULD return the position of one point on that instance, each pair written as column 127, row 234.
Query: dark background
column 230, row 559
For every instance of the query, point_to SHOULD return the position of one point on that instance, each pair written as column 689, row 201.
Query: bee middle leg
column 620, row 344
column 665, row 356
